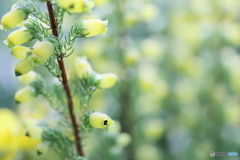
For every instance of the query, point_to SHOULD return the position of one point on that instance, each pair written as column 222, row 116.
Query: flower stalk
column 64, row 81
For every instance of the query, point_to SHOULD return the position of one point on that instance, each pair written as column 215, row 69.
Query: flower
column 20, row 52
column 12, row 18
column 94, row 27
column 66, row 4
column 78, row 6
column 9, row 129
column 42, row 148
column 18, row 37
column 12, row 138
column 26, row 94
column 34, row 132
column 43, row 49
column 100, row 120
column 83, row 67
column 24, row 66
column 107, row 80
column 29, row 77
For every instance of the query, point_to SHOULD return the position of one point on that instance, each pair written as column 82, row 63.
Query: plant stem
column 76, row 132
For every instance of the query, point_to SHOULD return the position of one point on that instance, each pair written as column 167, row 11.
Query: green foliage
column 86, row 87
column 75, row 32
column 32, row 8
column 60, row 143
column 54, row 93
column 52, row 66
column 85, row 127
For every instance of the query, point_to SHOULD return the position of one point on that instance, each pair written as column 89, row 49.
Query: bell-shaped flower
column 107, row 80
column 94, row 27
column 100, row 120
column 83, row 67
column 29, row 77
column 78, row 6
column 12, row 18
column 34, row 132
column 18, row 37
column 42, row 148
column 66, row 4
column 26, row 94
column 43, row 49
column 20, row 52
column 24, row 66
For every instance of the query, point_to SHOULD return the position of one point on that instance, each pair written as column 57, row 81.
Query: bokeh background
column 179, row 82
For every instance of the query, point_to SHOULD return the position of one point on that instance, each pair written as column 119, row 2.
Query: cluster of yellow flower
column 84, row 69
column 27, row 93
column 76, row 6
column 36, row 133
column 42, row 50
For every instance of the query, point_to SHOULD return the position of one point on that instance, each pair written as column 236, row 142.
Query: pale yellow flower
column 100, row 120
column 94, row 27
column 107, row 80
column 20, row 52
column 13, row 18
column 26, row 94
column 18, row 37
column 24, row 66
column 43, row 49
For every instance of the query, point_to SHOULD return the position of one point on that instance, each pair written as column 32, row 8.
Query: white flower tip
column 105, row 22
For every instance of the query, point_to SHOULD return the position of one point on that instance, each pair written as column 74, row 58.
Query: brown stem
column 76, row 132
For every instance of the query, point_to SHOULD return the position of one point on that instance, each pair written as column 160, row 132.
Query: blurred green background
column 179, row 82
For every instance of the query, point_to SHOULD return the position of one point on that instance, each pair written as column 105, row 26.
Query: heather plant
column 50, row 47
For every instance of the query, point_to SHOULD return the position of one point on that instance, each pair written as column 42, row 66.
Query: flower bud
column 42, row 148
column 77, row 6
column 108, row 80
column 34, row 132
column 18, row 37
column 94, row 27
column 20, row 52
column 12, row 18
column 24, row 66
column 43, row 49
column 100, row 120
column 28, row 78
column 124, row 139
column 83, row 67
column 24, row 95
column 66, row 4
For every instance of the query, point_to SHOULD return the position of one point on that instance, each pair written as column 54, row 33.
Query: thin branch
column 54, row 28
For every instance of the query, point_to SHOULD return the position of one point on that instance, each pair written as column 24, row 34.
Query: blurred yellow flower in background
column 12, row 136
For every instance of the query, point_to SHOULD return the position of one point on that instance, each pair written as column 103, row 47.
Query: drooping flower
column 43, row 49
column 78, row 6
column 24, row 66
column 29, row 77
column 94, row 27
column 100, row 120
column 18, row 37
column 20, row 52
column 66, row 4
column 83, row 67
column 42, row 148
column 26, row 94
column 107, row 80
column 34, row 132
column 12, row 18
